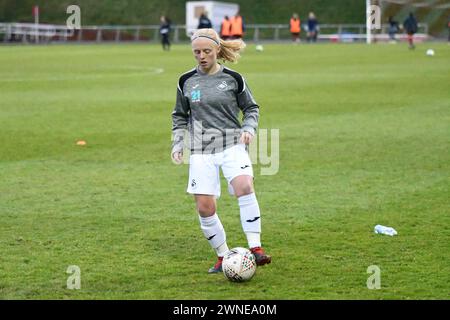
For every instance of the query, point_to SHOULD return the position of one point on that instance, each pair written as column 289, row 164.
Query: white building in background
column 215, row 11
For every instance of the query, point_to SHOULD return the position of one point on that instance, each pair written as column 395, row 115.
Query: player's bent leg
column 212, row 228
column 242, row 185
column 206, row 205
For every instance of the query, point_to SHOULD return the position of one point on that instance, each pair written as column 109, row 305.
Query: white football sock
column 215, row 234
column 251, row 219
column 253, row 239
column 222, row 249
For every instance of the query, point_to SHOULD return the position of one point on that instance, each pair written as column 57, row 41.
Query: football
column 259, row 48
column 239, row 265
column 430, row 52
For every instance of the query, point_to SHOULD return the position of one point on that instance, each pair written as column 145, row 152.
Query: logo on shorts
column 193, row 183
column 246, row 166
column 222, row 86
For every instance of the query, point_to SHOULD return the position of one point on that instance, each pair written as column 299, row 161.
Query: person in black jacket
column 410, row 25
column 393, row 29
column 164, row 31
column 204, row 22
column 313, row 28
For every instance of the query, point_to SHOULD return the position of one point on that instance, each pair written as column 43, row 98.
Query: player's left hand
column 246, row 137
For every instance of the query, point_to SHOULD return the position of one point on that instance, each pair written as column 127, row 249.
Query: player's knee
column 244, row 189
column 206, row 208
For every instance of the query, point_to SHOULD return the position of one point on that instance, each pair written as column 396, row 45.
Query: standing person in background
column 209, row 103
column 164, row 31
column 225, row 28
column 295, row 28
column 237, row 26
column 393, row 29
column 313, row 27
column 410, row 26
column 204, row 22
column 448, row 26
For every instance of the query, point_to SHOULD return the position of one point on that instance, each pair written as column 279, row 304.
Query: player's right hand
column 177, row 158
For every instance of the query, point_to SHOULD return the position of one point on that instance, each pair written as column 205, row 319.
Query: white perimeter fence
column 45, row 33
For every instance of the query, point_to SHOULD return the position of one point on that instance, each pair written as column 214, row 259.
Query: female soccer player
column 209, row 99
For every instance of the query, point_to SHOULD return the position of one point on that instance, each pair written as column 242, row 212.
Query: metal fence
column 42, row 33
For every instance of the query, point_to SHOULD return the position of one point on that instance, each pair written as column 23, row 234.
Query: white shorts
column 204, row 175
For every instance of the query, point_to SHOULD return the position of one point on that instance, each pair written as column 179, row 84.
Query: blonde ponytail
column 230, row 50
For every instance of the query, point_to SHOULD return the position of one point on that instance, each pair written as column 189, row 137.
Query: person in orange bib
column 225, row 29
column 237, row 27
column 295, row 28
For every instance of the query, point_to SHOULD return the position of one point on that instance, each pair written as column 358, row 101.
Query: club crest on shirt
column 195, row 95
column 222, row 86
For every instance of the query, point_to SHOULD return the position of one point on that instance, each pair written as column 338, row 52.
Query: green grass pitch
column 364, row 140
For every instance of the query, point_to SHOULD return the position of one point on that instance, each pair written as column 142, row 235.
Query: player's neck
column 214, row 69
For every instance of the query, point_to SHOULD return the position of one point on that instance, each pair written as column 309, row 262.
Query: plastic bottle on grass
column 385, row 230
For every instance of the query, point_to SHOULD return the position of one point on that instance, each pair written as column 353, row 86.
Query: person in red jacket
column 295, row 28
